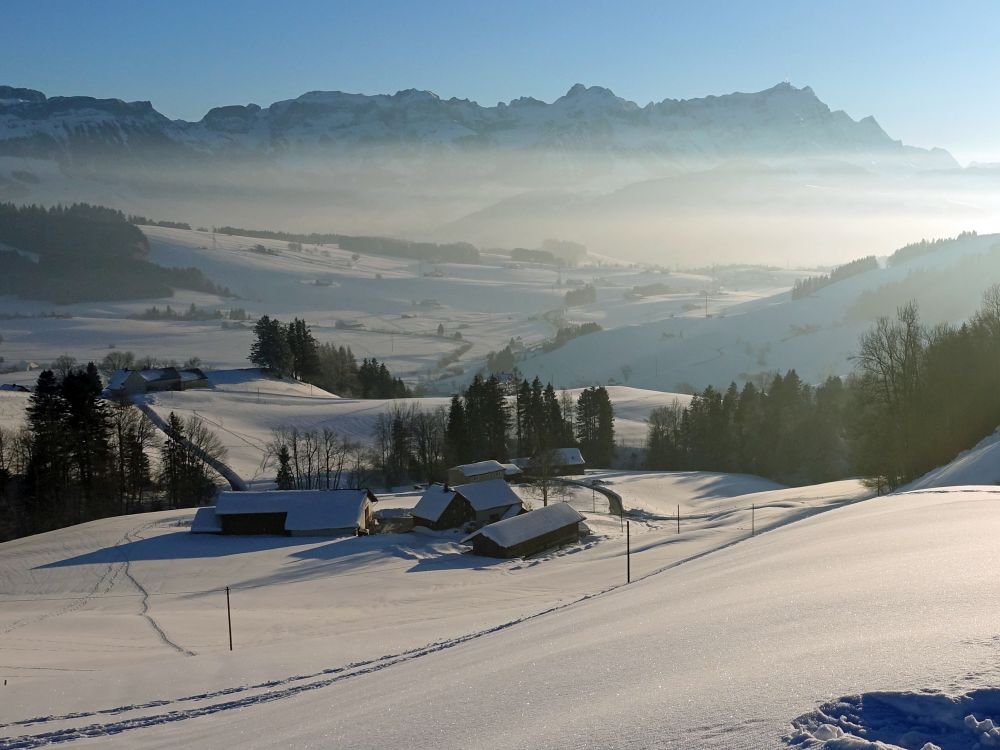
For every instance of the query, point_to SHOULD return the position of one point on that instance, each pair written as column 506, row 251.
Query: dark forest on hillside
column 84, row 253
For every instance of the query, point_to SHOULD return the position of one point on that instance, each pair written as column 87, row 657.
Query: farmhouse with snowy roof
column 445, row 507
column 562, row 461
column 125, row 383
column 481, row 471
column 528, row 533
column 289, row 513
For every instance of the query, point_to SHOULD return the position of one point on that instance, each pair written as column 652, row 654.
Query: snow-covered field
column 816, row 335
column 244, row 410
column 721, row 640
column 135, row 604
column 391, row 307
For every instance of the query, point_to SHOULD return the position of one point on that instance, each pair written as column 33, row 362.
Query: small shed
column 481, row 471
column 445, row 507
column 296, row 512
column 528, row 533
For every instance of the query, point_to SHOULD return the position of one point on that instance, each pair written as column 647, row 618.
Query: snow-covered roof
column 306, row 509
column 561, row 457
column 433, row 502
column 513, row 531
column 511, row 469
column 480, row 467
column 118, row 378
column 569, row 456
column 164, row 373
column 192, row 373
column 493, row 493
column 205, row 521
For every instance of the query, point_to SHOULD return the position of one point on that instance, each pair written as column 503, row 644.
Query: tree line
column 918, row 397
column 79, row 458
column 481, row 423
column 85, row 253
column 456, row 252
column 811, row 284
column 293, row 350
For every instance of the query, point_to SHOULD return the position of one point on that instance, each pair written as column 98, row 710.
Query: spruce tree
column 284, row 480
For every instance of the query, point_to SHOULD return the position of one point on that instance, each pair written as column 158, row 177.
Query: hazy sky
column 928, row 72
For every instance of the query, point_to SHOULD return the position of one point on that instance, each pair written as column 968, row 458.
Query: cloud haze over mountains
column 676, row 181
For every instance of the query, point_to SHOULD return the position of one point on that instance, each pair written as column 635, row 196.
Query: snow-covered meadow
column 115, row 632
column 382, row 307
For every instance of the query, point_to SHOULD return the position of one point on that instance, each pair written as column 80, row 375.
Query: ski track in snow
column 280, row 689
column 145, row 602
column 103, row 586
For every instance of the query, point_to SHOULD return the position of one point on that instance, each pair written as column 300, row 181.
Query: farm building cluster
column 125, row 383
column 482, row 504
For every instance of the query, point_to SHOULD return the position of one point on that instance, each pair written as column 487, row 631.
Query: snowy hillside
column 244, row 409
column 135, row 602
column 978, row 465
column 815, row 335
column 384, row 307
column 764, row 643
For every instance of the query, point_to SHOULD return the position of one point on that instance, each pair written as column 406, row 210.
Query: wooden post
column 678, row 519
column 753, row 519
column 628, row 555
column 229, row 618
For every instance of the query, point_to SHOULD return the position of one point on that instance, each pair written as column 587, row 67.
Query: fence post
column 678, row 519
column 229, row 618
column 753, row 519
column 628, row 554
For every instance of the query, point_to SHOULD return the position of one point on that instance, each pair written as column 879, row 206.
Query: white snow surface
column 724, row 647
column 978, row 465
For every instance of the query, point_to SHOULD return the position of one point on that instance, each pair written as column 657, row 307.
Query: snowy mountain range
column 697, row 180
column 783, row 121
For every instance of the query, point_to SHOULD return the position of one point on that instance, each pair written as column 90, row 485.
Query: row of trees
column 293, row 350
column 317, row 459
column 917, row 398
column 80, row 458
column 924, row 395
column 789, row 431
column 85, row 253
column 481, row 425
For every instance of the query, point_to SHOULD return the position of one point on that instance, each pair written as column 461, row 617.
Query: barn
column 124, row 383
column 290, row 513
column 444, row 507
column 564, row 461
column 481, row 471
column 528, row 533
